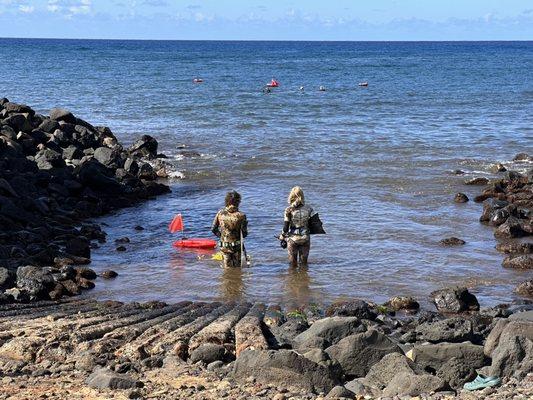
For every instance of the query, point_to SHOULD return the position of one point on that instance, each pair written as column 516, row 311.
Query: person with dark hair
column 231, row 226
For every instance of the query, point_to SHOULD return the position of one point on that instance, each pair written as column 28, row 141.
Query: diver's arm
column 215, row 228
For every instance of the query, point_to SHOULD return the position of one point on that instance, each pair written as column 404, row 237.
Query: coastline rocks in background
column 284, row 368
column 479, row 181
column 523, row 289
column 461, row 198
column 454, row 300
column 518, row 262
column 357, row 353
column 398, row 303
column 354, row 308
column 55, row 172
column 452, row 241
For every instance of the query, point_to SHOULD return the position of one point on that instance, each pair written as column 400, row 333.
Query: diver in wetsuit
column 229, row 225
column 296, row 228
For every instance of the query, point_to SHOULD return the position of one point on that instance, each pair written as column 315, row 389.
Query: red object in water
column 176, row 224
column 196, row 243
column 273, row 83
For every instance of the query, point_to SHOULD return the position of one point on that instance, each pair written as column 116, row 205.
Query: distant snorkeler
column 302, row 88
column 267, row 90
column 322, row 88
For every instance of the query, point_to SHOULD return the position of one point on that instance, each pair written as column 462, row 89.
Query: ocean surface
column 376, row 162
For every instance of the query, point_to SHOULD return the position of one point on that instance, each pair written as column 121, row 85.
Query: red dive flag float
column 196, row 243
column 177, row 225
column 273, row 83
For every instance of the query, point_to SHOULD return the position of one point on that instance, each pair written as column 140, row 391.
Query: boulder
column 522, row 157
column 286, row 332
column 208, row 353
column 14, row 108
column 358, row 353
column 460, row 198
column 448, row 330
column 525, row 288
column 146, row 146
column 402, row 303
column 107, row 157
column 284, row 368
column 511, row 228
column 340, row 392
column 60, row 114
column 452, row 241
column 406, row 384
column 7, row 278
column 102, row 378
column 510, row 345
column 432, row 357
column 48, row 159
column 454, row 300
column 331, row 329
column 353, row 308
column 79, row 246
column 35, row 281
column 72, row 153
column 524, row 261
column 456, row 373
column 515, row 248
column 381, row 373
column 109, row 274
column 481, row 181
column 49, row 125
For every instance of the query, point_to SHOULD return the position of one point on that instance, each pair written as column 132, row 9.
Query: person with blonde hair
column 296, row 230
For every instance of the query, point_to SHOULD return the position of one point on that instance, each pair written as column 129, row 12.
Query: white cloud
column 26, row 9
column 69, row 7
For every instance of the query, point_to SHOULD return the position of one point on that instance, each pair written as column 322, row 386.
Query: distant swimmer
column 322, row 88
column 363, row 84
column 302, row 88
column 267, row 90
column 197, row 80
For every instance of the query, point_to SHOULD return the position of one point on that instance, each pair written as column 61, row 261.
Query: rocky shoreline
column 57, row 172
column 356, row 350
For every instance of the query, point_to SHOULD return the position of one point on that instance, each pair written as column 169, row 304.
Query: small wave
column 176, row 175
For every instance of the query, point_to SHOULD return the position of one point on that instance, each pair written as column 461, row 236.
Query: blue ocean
column 375, row 161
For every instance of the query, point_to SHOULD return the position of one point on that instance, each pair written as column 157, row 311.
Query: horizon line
column 277, row 40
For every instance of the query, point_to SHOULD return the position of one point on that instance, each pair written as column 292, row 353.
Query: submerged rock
column 452, row 241
column 525, row 288
column 461, row 198
column 518, row 262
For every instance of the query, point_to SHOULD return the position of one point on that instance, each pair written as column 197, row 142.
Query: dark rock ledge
column 56, row 172
column 196, row 350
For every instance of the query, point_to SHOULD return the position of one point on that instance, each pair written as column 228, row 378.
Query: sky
column 269, row 19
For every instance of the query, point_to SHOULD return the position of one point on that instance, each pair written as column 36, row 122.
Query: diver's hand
column 282, row 236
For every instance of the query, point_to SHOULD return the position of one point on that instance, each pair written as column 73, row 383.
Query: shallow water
column 375, row 162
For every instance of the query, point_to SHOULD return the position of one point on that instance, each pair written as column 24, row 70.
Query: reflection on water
column 231, row 284
column 298, row 285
